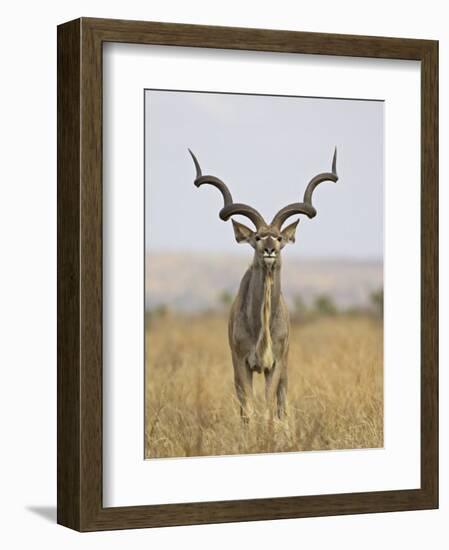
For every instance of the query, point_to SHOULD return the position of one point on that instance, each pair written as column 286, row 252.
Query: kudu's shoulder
column 244, row 286
column 241, row 299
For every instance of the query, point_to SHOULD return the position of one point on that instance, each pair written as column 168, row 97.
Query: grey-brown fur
column 259, row 323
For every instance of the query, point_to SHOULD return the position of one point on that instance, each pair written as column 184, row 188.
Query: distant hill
column 194, row 281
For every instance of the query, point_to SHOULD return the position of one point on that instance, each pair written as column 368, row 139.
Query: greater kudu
column 259, row 321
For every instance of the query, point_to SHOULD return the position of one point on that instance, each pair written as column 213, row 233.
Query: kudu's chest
column 265, row 322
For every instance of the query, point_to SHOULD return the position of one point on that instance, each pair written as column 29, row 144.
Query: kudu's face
column 267, row 241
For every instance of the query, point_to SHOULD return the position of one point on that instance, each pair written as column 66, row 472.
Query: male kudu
column 259, row 321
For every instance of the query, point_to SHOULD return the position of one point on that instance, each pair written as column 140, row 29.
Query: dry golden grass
column 335, row 395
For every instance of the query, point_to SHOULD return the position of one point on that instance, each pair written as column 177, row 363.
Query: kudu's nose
column 269, row 251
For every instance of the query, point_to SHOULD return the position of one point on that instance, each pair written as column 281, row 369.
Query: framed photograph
column 247, row 274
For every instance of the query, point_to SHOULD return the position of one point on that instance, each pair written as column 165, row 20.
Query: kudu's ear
column 242, row 233
column 290, row 231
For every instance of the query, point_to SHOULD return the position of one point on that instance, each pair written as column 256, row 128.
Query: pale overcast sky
column 266, row 149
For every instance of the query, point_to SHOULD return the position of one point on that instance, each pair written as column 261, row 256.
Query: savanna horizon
column 196, row 280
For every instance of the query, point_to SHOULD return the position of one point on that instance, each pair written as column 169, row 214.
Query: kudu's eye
column 257, row 238
column 279, row 239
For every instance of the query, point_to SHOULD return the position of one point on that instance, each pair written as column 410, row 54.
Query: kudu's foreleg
column 271, row 382
column 243, row 379
column 281, row 395
column 276, row 390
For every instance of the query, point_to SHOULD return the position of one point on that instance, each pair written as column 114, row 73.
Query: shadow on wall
column 46, row 512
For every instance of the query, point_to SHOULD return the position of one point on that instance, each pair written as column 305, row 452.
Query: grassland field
column 335, row 389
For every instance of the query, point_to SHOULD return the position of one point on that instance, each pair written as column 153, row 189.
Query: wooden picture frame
column 80, row 503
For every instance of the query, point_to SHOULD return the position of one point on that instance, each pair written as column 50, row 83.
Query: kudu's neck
column 264, row 299
column 265, row 290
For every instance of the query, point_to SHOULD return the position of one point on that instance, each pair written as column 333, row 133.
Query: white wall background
column 28, row 272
